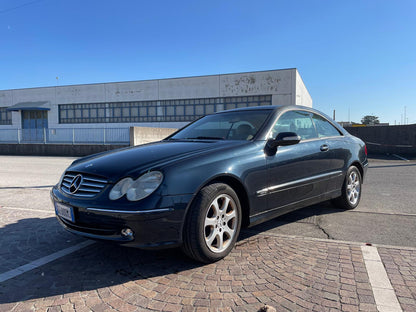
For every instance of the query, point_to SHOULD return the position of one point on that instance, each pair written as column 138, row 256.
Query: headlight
column 137, row 189
column 120, row 188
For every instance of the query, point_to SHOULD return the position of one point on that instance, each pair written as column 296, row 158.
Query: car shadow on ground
column 304, row 215
column 103, row 265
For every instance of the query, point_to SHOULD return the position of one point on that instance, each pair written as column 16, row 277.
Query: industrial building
column 59, row 114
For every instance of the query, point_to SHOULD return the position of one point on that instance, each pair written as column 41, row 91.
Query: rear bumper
column 365, row 168
column 152, row 227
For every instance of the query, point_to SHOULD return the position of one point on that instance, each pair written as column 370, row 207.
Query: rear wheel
column 213, row 223
column 351, row 189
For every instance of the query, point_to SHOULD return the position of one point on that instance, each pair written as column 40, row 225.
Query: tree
column 370, row 120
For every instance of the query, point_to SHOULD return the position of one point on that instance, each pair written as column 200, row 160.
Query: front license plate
column 65, row 212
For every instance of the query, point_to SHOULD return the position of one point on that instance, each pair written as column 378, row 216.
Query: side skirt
column 276, row 212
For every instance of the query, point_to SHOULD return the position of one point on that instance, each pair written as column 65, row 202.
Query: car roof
column 269, row 107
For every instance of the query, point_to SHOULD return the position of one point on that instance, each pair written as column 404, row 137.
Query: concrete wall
column 399, row 140
column 138, row 136
column 54, row 149
column 143, row 135
column 302, row 95
column 285, row 86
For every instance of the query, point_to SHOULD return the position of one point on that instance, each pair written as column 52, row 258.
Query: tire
column 213, row 223
column 351, row 190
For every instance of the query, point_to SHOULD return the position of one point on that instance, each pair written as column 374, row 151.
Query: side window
column 324, row 127
column 295, row 121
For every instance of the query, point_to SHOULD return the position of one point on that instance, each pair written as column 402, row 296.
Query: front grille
column 82, row 185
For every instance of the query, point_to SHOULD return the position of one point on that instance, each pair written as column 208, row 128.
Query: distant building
column 345, row 123
column 353, row 124
column 166, row 103
column 350, row 124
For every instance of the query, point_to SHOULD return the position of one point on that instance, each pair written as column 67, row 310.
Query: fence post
column 44, row 135
column 73, row 135
column 104, row 135
column 18, row 135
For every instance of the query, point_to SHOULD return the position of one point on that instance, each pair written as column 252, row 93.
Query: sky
column 355, row 57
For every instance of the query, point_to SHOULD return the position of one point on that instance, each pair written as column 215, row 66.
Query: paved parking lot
column 314, row 259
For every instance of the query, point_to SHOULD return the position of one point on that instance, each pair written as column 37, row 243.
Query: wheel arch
column 360, row 168
column 240, row 190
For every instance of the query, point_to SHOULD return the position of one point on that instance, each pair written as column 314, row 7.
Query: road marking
column 400, row 157
column 390, row 213
column 29, row 209
column 42, row 261
column 384, row 294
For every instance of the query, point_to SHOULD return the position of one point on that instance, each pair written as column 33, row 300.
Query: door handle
column 324, row 148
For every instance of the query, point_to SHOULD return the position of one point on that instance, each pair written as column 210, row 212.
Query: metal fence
column 119, row 136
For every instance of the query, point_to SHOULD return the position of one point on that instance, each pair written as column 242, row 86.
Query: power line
column 19, row 6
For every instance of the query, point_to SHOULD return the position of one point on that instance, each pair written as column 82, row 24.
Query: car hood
column 132, row 161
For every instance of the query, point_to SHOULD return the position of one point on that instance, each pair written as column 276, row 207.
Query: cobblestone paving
column 400, row 266
column 287, row 273
column 29, row 235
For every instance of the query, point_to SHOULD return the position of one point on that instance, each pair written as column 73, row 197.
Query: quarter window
column 324, row 127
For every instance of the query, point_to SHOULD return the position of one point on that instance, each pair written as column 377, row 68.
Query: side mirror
column 287, row 138
column 282, row 139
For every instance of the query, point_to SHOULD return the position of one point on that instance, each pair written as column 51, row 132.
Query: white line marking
column 42, row 261
column 384, row 294
column 400, row 157
column 389, row 213
column 29, row 209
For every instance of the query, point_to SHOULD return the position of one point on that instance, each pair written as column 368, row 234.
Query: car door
column 337, row 150
column 297, row 173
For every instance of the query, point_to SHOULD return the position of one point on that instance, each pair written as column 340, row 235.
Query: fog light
column 127, row 232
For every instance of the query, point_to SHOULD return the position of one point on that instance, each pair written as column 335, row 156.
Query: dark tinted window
column 324, row 127
column 295, row 121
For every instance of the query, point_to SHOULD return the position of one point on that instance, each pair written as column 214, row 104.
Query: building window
column 151, row 111
column 5, row 116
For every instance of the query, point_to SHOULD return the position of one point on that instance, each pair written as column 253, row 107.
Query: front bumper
column 158, row 226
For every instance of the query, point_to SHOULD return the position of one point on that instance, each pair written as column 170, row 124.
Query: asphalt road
column 386, row 214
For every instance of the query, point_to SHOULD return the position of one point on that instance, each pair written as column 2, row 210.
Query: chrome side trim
column 282, row 207
column 131, row 212
column 276, row 188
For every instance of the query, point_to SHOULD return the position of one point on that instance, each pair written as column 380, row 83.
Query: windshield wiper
column 171, row 139
column 206, row 138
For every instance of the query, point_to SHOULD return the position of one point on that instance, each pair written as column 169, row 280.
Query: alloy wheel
column 220, row 223
column 353, row 188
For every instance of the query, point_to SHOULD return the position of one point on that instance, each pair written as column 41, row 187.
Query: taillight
column 365, row 150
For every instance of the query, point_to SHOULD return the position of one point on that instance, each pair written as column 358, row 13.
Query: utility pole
column 349, row 116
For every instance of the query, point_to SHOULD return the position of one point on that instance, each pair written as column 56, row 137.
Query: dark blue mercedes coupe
column 199, row 186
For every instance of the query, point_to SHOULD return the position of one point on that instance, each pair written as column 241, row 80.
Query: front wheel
column 351, row 189
column 213, row 223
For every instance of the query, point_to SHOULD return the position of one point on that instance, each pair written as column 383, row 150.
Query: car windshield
column 236, row 125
